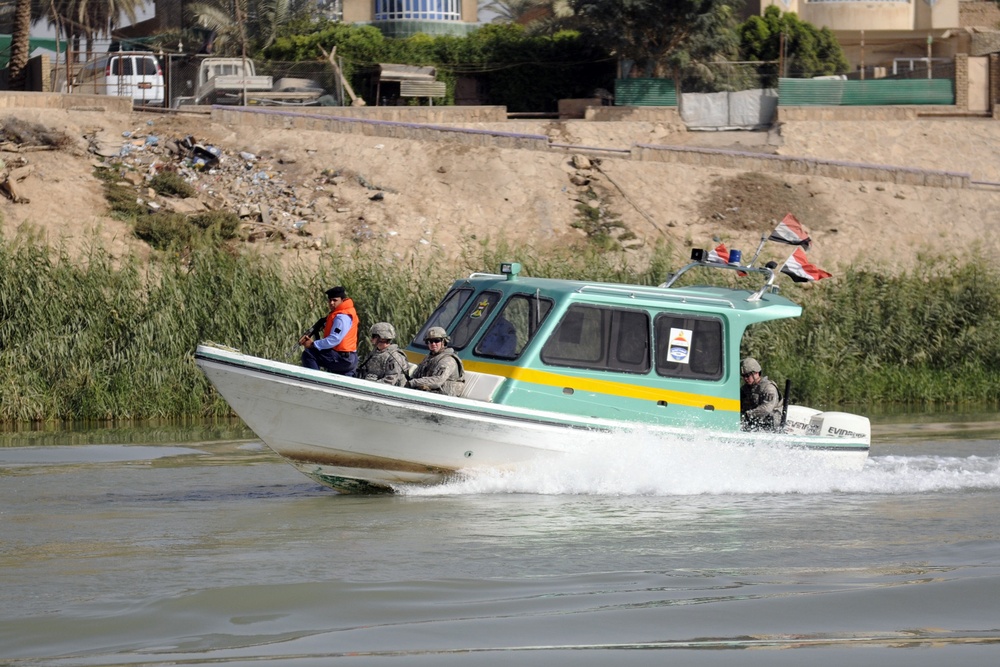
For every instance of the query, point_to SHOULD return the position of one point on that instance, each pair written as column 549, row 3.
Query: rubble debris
column 250, row 185
column 10, row 175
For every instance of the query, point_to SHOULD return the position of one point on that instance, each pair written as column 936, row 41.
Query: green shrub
column 172, row 184
column 124, row 202
column 164, row 230
column 221, row 223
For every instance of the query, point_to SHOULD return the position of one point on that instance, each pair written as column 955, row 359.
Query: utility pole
column 862, row 55
column 930, row 40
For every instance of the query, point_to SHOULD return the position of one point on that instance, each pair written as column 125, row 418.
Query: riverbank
column 444, row 200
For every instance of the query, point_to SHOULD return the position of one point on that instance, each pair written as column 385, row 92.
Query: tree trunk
column 20, row 49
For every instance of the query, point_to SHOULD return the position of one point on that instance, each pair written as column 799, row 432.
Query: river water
column 197, row 546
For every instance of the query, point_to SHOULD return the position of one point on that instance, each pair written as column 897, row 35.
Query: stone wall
column 962, row 82
column 980, row 14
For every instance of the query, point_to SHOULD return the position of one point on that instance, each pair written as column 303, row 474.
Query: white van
column 135, row 74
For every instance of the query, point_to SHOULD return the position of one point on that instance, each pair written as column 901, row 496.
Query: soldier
column 760, row 402
column 386, row 363
column 441, row 370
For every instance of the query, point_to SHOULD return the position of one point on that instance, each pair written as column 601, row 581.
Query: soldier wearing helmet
column 441, row 370
column 386, row 363
column 760, row 402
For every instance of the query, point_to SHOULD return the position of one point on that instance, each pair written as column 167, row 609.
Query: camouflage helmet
column 749, row 365
column 383, row 330
column 436, row 332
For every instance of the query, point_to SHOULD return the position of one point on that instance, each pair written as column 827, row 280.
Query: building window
column 428, row 10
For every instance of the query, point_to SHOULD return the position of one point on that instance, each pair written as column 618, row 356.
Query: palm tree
column 538, row 16
column 510, row 11
column 259, row 25
column 19, row 45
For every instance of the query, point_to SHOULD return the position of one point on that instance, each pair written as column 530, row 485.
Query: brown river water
column 197, row 546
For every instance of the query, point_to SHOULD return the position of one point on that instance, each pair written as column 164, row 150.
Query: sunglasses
column 434, row 340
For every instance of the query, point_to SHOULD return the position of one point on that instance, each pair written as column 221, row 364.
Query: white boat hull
column 355, row 435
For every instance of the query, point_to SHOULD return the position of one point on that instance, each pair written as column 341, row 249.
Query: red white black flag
column 790, row 231
column 800, row 270
column 719, row 255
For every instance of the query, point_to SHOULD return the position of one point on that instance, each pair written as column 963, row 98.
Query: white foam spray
column 643, row 464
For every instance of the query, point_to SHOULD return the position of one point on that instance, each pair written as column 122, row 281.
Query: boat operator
column 760, row 402
column 337, row 350
column 441, row 370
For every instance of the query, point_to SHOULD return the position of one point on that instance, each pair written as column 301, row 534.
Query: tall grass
column 100, row 338
column 930, row 335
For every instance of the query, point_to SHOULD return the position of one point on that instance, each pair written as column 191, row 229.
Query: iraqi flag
column 790, row 231
column 800, row 270
column 720, row 255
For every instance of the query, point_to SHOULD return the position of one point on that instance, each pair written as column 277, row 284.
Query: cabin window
column 514, row 327
column 688, row 346
column 446, row 312
column 481, row 309
column 605, row 339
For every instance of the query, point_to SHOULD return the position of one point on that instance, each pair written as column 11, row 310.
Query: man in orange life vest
column 337, row 350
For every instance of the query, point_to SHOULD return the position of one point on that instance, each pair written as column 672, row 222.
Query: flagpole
column 786, row 260
column 763, row 240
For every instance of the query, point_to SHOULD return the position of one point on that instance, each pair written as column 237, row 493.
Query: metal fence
column 918, row 81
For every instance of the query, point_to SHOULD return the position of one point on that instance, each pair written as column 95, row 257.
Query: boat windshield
column 514, row 327
column 472, row 322
column 446, row 312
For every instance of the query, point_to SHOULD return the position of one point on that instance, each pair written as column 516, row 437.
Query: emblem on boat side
column 680, row 346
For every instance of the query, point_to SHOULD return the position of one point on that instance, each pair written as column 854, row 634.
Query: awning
column 33, row 43
column 390, row 72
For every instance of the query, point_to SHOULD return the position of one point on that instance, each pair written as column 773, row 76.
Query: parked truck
column 235, row 81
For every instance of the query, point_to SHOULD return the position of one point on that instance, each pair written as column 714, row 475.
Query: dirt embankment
column 301, row 193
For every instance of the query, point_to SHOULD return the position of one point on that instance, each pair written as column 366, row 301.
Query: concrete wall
column 860, row 15
column 111, row 104
column 851, row 171
column 873, row 15
column 413, row 131
column 441, row 114
column 646, row 114
column 789, row 114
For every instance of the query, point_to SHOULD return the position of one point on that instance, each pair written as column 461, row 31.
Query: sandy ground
column 448, row 199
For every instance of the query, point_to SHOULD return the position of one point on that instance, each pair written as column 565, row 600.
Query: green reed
column 100, row 338
column 930, row 335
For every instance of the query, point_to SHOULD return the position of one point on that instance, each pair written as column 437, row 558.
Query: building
column 404, row 18
column 395, row 18
column 882, row 36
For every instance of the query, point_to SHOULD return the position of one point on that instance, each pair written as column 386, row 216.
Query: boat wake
column 644, row 465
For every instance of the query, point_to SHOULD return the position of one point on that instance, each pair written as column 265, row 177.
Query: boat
column 548, row 364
